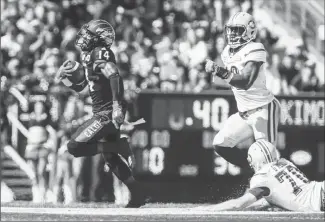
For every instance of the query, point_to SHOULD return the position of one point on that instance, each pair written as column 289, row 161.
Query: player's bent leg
column 119, row 166
column 234, row 131
column 84, row 141
column 265, row 121
column 118, row 155
column 80, row 149
column 123, row 172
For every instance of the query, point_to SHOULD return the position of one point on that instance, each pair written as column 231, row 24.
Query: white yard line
column 155, row 211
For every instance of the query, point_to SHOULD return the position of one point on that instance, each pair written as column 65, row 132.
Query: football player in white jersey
column 278, row 181
column 258, row 110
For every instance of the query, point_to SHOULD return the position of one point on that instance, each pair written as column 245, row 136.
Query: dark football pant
column 95, row 137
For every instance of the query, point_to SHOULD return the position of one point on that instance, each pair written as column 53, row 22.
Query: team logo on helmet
column 251, row 24
column 104, row 32
column 249, row 158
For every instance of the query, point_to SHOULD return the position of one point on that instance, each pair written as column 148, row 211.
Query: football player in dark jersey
column 101, row 133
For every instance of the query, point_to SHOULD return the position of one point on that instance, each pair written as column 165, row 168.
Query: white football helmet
column 260, row 153
column 240, row 29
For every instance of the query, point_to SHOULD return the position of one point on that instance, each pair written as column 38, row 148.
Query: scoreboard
column 176, row 140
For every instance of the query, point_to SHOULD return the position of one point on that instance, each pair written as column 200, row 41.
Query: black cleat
column 135, row 204
column 138, row 199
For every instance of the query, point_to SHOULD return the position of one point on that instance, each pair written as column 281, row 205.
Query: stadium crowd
column 158, row 46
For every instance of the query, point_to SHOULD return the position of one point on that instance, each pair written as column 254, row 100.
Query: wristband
column 231, row 75
column 116, row 104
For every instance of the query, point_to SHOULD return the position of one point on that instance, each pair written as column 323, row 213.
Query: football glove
column 62, row 72
column 212, row 68
column 117, row 115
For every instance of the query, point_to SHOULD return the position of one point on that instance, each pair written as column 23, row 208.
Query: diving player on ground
column 244, row 70
column 279, row 182
column 101, row 133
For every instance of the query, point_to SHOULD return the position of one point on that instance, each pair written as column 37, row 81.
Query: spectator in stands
column 37, row 149
column 9, row 42
column 273, row 77
column 266, row 38
column 168, row 75
column 68, row 169
column 4, row 123
column 198, row 48
column 307, row 80
column 287, row 71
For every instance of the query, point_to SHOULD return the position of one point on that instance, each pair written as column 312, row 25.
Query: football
column 77, row 73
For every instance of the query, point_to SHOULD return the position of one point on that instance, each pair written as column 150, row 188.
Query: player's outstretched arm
column 259, row 205
column 236, row 204
column 248, row 199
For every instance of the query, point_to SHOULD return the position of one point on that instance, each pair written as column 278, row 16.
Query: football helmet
column 260, row 153
column 95, row 33
column 240, row 29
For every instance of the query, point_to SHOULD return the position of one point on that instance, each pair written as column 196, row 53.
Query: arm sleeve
column 116, row 84
column 259, row 186
column 259, row 192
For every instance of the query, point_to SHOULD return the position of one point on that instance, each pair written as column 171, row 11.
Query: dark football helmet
column 95, row 33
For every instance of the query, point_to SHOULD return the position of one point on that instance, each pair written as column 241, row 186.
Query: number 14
column 105, row 54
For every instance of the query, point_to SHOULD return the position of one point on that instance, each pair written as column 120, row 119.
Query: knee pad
column 78, row 149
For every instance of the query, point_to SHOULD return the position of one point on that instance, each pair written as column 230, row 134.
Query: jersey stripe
column 254, row 50
column 273, row 121
column 275, row 127
column 269, row 122
column 265, row 151
column 262, row 150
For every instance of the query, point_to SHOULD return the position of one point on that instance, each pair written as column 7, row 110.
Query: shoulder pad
column 254, row 51
column 252, row 46
column 103, row 54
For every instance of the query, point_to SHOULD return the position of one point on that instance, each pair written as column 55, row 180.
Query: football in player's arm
column 243, row 81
